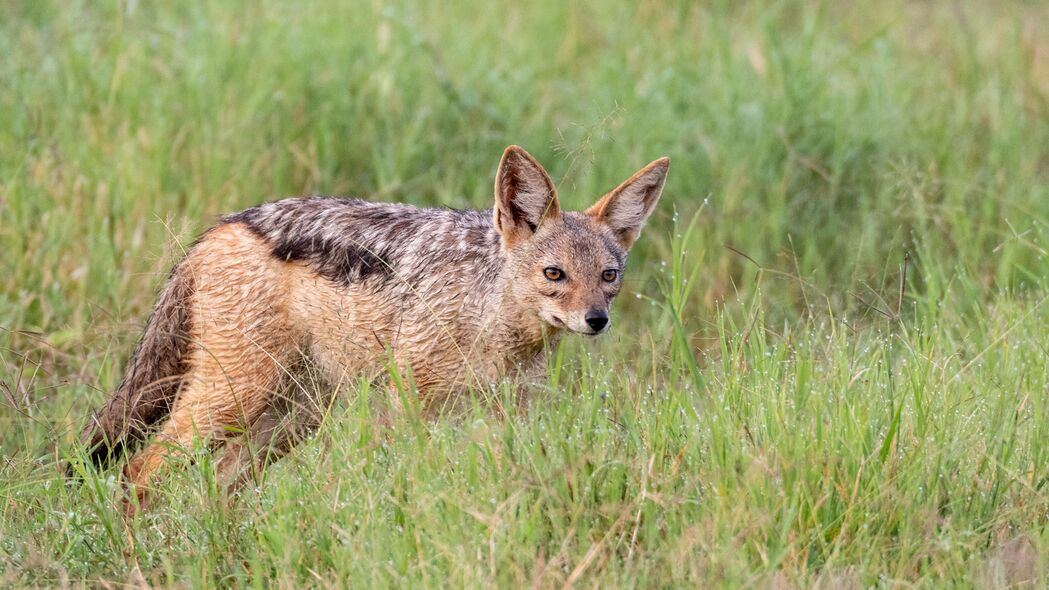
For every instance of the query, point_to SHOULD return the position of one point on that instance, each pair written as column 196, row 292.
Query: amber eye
column 553, row 273
column 609, row 275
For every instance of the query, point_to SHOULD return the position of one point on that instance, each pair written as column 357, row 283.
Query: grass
column 780, row 404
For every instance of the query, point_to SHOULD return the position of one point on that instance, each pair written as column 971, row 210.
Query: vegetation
column 830, row 366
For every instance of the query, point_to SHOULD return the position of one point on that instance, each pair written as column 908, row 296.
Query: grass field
column 780, row 404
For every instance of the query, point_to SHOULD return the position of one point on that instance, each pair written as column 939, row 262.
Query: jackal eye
column 610, row 275
column 553, row 273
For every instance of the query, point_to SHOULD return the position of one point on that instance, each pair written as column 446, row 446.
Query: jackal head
column 567, row 266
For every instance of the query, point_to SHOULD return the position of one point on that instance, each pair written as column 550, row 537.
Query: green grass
column 772, row 409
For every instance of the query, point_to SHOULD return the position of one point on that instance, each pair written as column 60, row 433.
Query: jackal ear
column 524, row 196
column 626, row 208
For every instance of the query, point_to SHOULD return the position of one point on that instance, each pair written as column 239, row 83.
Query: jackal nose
column 597, row 320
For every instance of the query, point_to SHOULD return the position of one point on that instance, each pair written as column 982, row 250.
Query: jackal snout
column 597, row 319
column 587, row 321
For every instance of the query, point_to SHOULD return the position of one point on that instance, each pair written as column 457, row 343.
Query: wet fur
column 456, row 299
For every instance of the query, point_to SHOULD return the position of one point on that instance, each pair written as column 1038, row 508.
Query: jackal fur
column 453, row 298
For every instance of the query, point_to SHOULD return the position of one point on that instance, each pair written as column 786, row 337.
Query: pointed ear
column 626, row 208
column 524, row 196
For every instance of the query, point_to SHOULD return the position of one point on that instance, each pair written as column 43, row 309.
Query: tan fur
column 242, row 337
column 456, row 302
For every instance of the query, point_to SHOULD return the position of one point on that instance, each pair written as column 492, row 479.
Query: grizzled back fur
column 352, row 241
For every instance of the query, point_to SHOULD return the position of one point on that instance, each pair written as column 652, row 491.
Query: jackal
column 349, row 288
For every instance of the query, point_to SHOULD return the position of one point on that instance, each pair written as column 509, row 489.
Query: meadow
column 829, row 367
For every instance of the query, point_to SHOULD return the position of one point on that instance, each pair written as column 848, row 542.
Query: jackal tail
column 151, row 379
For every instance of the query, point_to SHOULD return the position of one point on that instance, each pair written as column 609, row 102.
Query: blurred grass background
column 770, row 411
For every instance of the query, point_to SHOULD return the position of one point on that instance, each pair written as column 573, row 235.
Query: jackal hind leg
column 241, row 338
column 292, row 417
column 225, row 393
